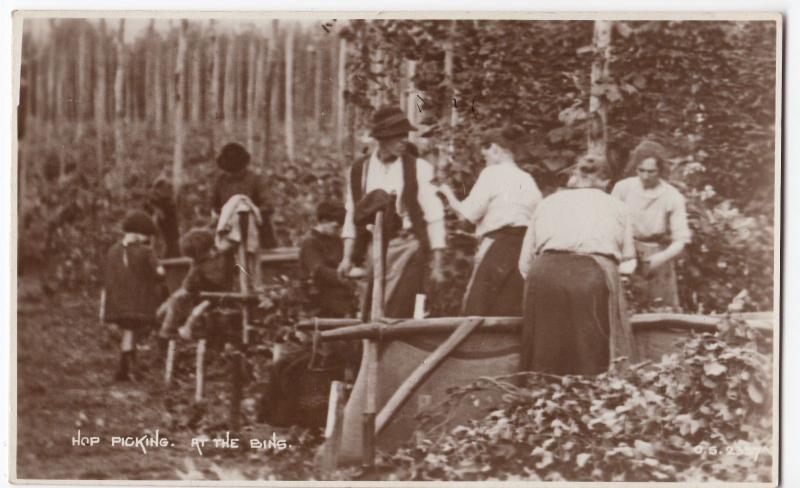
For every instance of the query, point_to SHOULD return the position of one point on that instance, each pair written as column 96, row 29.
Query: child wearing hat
column 130, row 294
column 236, row 178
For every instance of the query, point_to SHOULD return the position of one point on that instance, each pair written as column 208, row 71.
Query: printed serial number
column 739, row 449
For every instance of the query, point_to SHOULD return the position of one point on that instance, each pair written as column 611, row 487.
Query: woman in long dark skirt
column 501, row 204
column 574, row 319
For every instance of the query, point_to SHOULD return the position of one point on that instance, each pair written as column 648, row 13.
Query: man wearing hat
column 574, row 319
column 236, row 178
column 395, row 169
column 660, row 225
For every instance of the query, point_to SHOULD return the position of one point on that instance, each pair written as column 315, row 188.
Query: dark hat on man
column 330, row 212
column 388, row 122
column 137, row 221
column 233, row 157
column 197, row 243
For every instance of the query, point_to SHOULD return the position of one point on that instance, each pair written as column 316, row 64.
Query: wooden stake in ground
column 119, row 105
column 371, row 346
column 289, row 100
column 177, row 157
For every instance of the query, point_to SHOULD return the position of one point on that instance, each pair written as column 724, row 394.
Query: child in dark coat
column 320, row 254
column 210, row 271
column 130, row 294
column 237, row 179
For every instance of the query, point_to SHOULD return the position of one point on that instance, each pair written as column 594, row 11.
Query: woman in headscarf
column 500, row 205
column 574, row 319
column 660, row 227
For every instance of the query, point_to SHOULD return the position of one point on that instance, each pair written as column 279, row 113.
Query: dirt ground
column 66, row 360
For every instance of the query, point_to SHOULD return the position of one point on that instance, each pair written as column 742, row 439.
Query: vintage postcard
column 255, row 248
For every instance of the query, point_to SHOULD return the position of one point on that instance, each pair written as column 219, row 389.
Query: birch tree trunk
column 119, row 107
column 100, row 95
column 597, row 136
column 413, row 103
column 52, row 72
column 158, row 89
column 271, row 98
column 195, row 80
column 213, row 99
column 230, row 82
column 289, row 101
column 341, row 86
column 260, row 82
column 252, row 110
column 83, row 85
column 317, row 91
column 178, row 79
column 151, row 52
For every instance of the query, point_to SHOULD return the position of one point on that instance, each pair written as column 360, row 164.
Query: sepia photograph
column 393, row 246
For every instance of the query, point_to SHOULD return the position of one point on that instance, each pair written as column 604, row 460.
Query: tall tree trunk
column 230, row 87
column 289, row 116
column 83, row 84
column 260, row 95
column 119, row 107
column 341, row 87
column 317, row 90
column 252, row 110
column 413, row 103
column 100, row 95
column 158, row 87
column 52, row 64
column 271, row 97
column 178, row 80
column 195, row 80
column 597, row 136
column 213, row 92
column 151, row 52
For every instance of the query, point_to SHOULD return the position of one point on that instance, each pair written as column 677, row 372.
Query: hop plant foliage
column 701, row 414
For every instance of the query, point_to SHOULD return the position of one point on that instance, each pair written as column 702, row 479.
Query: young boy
column 130, row 296
column 320, row 254
column 210, row 271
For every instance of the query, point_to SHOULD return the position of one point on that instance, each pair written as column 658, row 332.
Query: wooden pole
column 213, row 92
column 424, row 369
column 170, row 362
column 333, row 429
column 371, row 346
column 180, row 96
column 119, row 106
column 237, row 357
column 200, row 370
column 100, row 96
column 289, row 93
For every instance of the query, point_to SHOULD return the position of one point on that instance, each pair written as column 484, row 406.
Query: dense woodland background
column 104, row 113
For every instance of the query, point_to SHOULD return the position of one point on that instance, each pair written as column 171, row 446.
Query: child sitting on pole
column 130, row 295
column 210, row 271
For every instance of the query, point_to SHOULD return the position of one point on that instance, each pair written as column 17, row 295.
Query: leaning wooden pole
column 371, row 346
